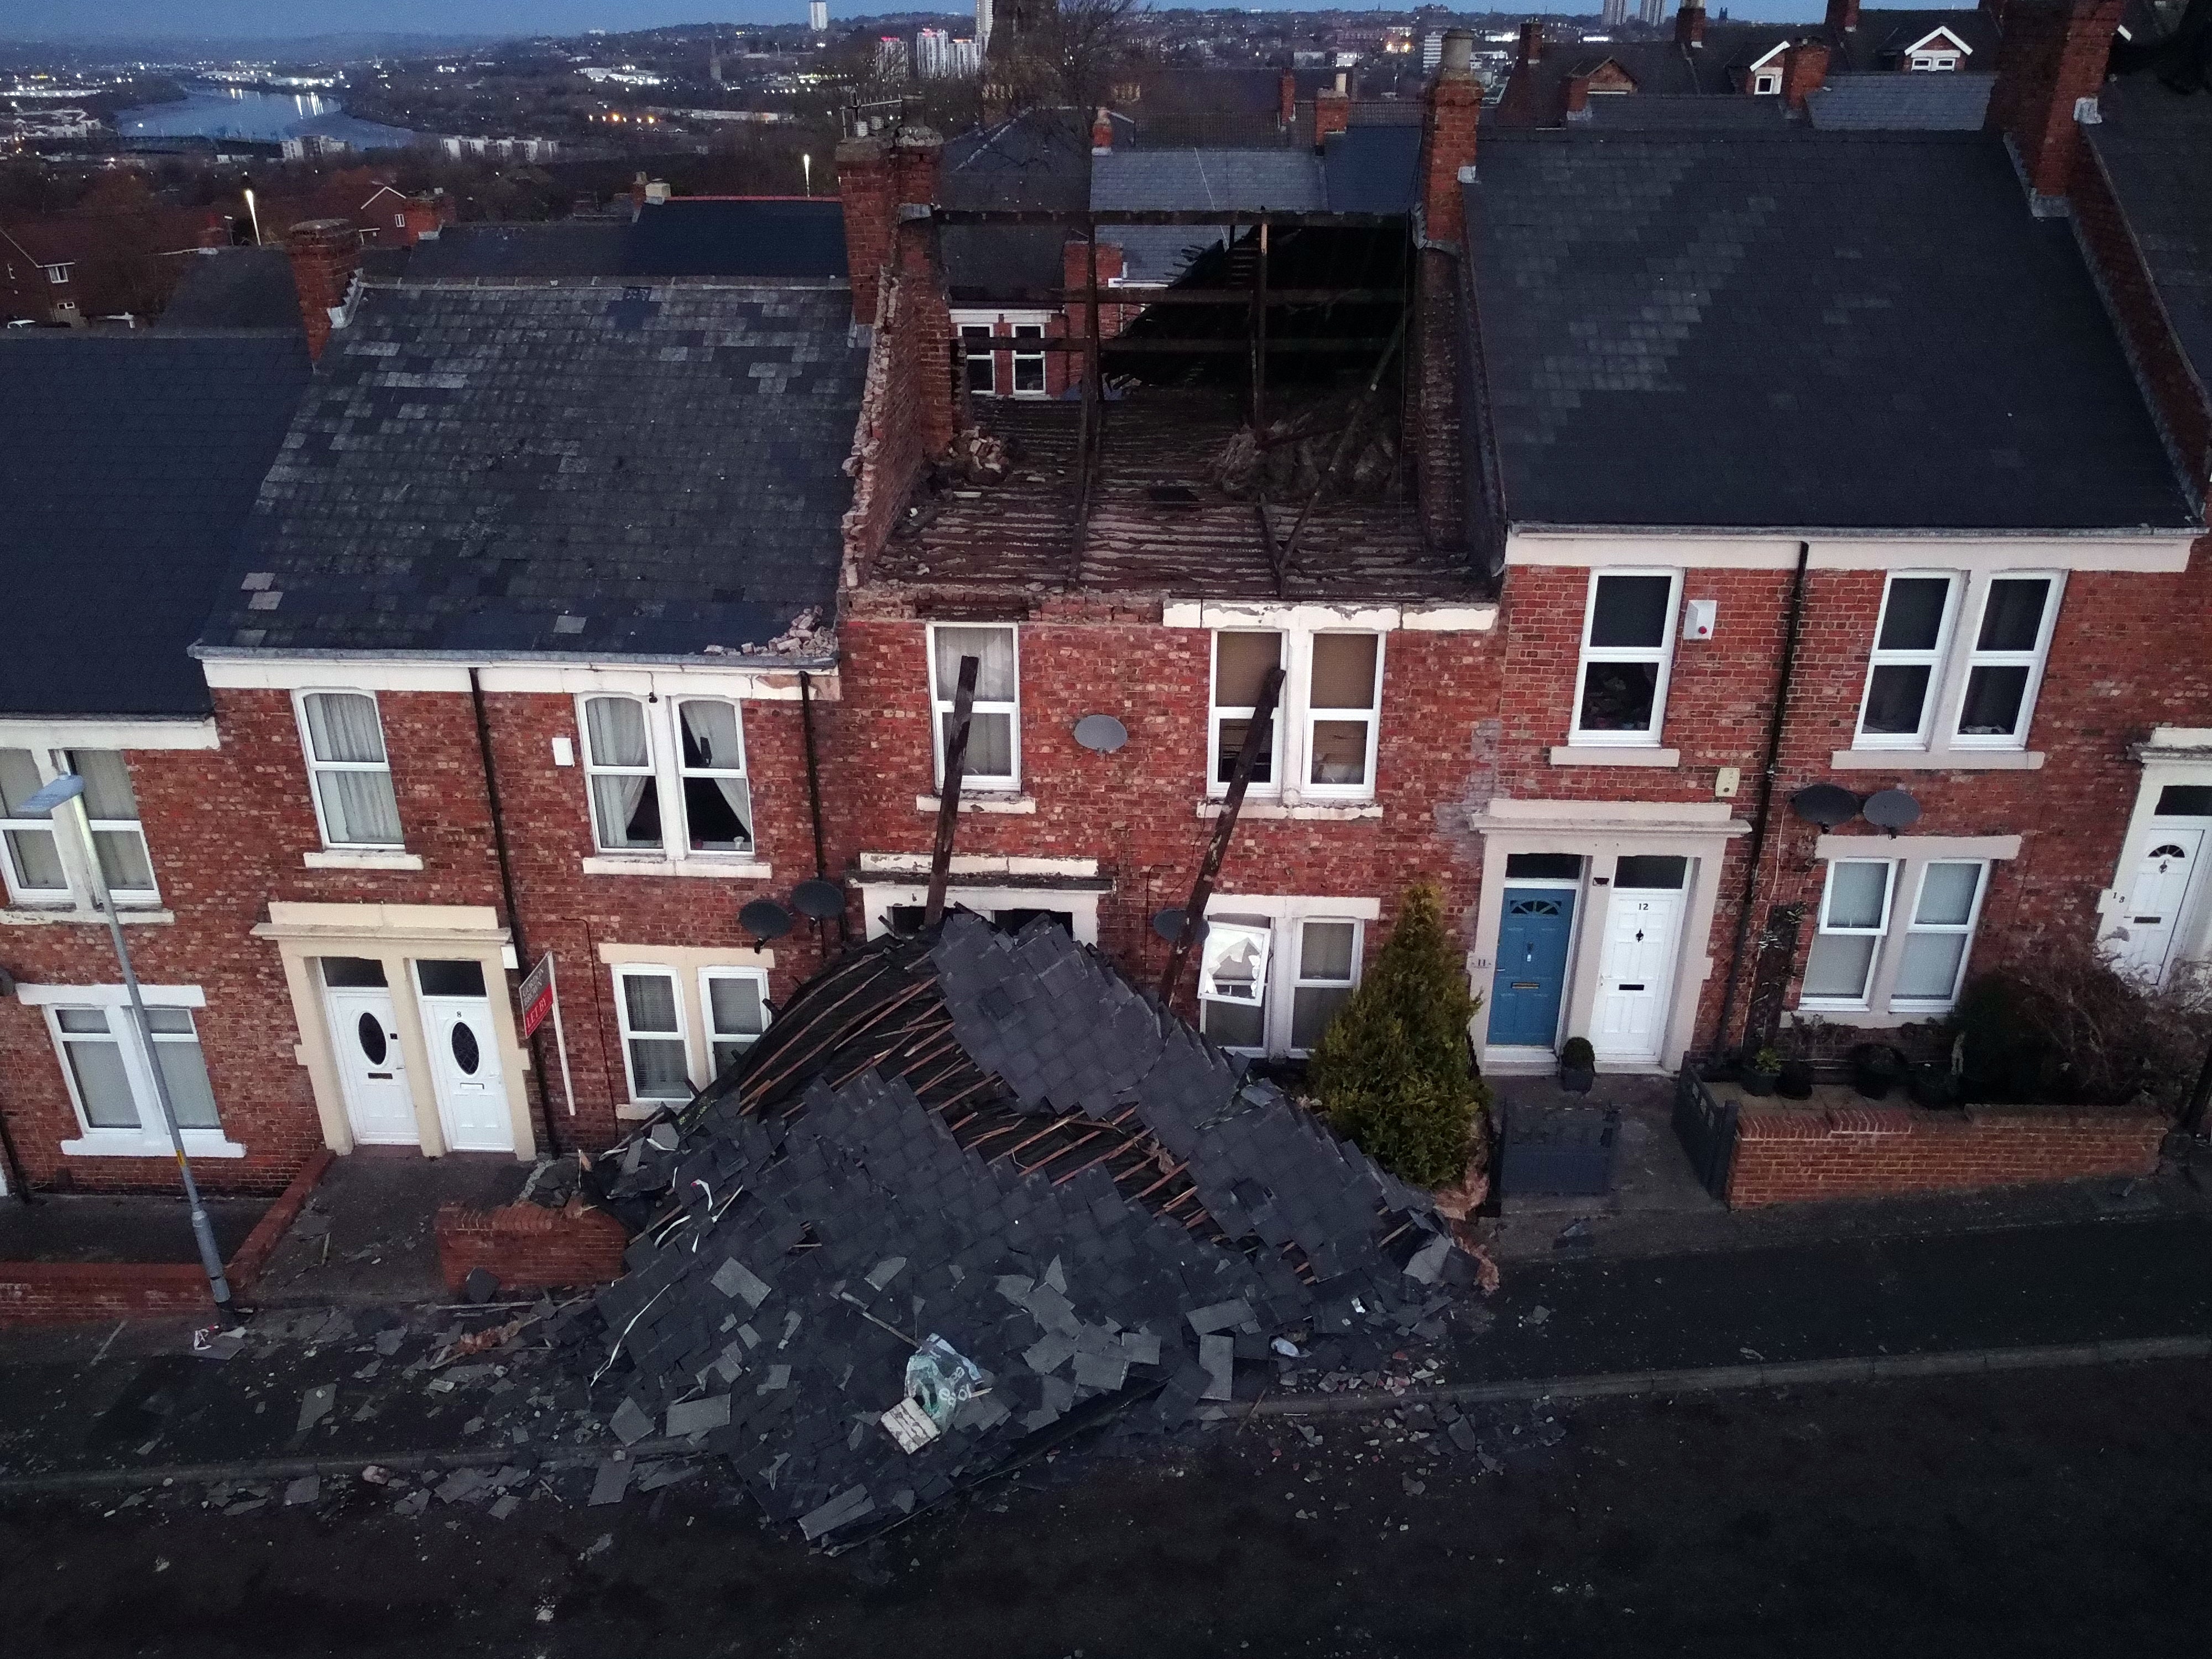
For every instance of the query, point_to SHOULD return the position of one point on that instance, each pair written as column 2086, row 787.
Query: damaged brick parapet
column 1784, row 1156
column 528, row 1246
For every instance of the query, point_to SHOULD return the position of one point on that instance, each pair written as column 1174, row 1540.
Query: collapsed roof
column 991, row 1140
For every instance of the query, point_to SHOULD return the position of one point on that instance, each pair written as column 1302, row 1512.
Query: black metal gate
column 1706, row 1128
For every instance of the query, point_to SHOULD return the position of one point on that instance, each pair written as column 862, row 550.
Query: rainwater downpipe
column 507, row 892
column 1764, row 810
column 814, row 789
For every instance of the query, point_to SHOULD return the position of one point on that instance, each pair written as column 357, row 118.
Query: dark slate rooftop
column 129, row 463
column 1371, row 169
column 1667, row 111
column 1039, row 158
column 2156, row 145
column 689, row 236
column 1838, row 331
column 1953, row 101
column 1170, row 180
column 236, row 288
column 558, row 469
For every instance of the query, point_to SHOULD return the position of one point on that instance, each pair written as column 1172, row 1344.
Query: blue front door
column 1532, row 966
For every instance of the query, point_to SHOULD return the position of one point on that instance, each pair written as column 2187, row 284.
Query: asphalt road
column 2063, row 1512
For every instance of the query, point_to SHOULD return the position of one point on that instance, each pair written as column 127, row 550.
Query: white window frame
column 1023, row 359
column 969, row 333
column 125, row 897
column 1878, row 934
column 1663, row 654
column 1217, row 715
column 317, row 767
column 1898, row 1000
column 662, row 709
column 1933, row 660
column 1300, row 981
column 75, row 893
column 1285, row 919
column 651, row 770
column 994, row 783
column 739, row 1039
column 1372, row 715
column 151, row 1138
column 681, row 1035
column 1926, row 61
column 1970, row 656
column 1767, row 83
column 742, row 771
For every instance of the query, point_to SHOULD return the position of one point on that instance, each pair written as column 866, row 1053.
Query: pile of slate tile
column 993, row 1140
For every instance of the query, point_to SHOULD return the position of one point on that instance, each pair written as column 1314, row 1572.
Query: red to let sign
column 535, row 995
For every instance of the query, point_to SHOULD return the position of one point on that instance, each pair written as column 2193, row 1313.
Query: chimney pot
column 1459, row 50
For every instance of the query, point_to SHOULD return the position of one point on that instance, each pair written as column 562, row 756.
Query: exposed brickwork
column 325, row 252
column 2053, row 54
column 528, row 1246
column 1804, row 71
column 1452, row 106
column 866, row 187
column 1785, row 1157
column 1332, row 112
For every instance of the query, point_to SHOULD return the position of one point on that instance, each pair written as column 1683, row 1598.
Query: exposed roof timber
column 1105, row 216
column 1225, row 296
column 1216, row 343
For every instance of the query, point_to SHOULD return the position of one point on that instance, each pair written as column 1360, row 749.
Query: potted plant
column 1933, row 1085
column 1876, row 1068
column 1578, row 1066
column 1762, row 1072
column 1796, row 1080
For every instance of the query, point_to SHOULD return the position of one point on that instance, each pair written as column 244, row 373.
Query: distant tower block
column 817, row 15
column 983, row 25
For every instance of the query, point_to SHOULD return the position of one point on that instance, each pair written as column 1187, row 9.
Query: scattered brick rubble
column 996, row 1141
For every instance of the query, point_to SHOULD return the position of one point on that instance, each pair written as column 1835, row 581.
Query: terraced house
column 1757, row 574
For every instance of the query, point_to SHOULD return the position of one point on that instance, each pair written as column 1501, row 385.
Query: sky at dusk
column 77, row 20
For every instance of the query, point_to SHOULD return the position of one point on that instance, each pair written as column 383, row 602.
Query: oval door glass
column 371, row 1035
column 467, row 1055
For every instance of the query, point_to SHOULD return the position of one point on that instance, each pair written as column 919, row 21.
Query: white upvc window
column 619, row 774
column 1270, row 981
column 2005, row 664
column 41, row 868
column 1925, row 61
column 736, row 1003
column 349, row 770
column 1907, row 672
column 1894, row 935
column 111, row 1089
column 1766, row 81
column 1028, row 366
column 30, row 850
column 982, row 361
column 1242, row 658
column 656, row 1054
column 1854, row 916
column 640, row 753
column 1343, row 704
column 1627, row 653
column 994, row 731
column 718, row 806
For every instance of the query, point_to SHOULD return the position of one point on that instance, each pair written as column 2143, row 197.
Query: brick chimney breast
column 1102, row 132
column 1843, row 15
column 1450, row 114
column 1690, row 25
column 325, row 253
column 1332, row 112
column 1532, row 41
column 1286, row 100
column 864, row 187
column 2053, row 55
column 1804, row 71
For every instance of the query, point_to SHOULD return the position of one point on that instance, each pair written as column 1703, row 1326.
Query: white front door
column 2155, row 901
column 465, row 1056
column 365, row 1035
column 1636, row 974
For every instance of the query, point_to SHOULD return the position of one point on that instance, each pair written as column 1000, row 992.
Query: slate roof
column 992, row 1139
column 1673, row 111
column 2155, row 145
column 1952, row 102
column 1841, row 331
column 1371, row 169
column 688, row 236
column 128, row 463
column 1180, row 180
column 1883, row 35
column 558, row 469
column 236, row 288
column 1040, row 159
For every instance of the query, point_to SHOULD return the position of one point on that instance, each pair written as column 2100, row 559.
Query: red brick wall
column 529, row 1246
column 1785, row 1157
column 1135, row 810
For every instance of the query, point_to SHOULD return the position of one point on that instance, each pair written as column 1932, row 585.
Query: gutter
column 616, row 661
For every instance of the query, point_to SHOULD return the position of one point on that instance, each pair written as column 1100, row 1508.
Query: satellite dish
column 1168, row 924
column 765, row 919
column 818, row 900
column 1101, row 733
column 1892, row 810
column 1825, row 804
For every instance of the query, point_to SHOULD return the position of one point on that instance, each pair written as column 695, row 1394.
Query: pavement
column 136, row 1228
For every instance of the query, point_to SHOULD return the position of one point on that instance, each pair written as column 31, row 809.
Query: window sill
column 1938, row 760
column 637, row 1111
column 126, row 1143
column 1590, row 754
column 362, row 858
column 984, row 802
column 1868, row 1018
column 1313, row 813
column 27, row 916
column 614, row 864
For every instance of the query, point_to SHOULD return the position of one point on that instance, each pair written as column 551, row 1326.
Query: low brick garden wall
column 56, row 1292
column 528, row 1246
column 1785, row 1157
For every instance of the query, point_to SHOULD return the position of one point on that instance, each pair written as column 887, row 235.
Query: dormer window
column 57, row 274
column 1767, row 83
column 1935, row 60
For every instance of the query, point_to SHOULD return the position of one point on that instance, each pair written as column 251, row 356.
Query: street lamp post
column 65, row 795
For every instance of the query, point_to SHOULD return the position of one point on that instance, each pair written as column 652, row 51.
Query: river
column 266, row 117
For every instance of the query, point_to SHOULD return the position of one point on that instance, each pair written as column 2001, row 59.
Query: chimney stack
column 1577, row 98
column 1448, row 117
column 1532, row 41
column 1287, row 100
column 1804, row 71
column 1690, row 25
column 325, row 253
column 1332, row 111
column 1843, row 15
column 2050, row 68
column 863, row 189
column 1102, row 132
